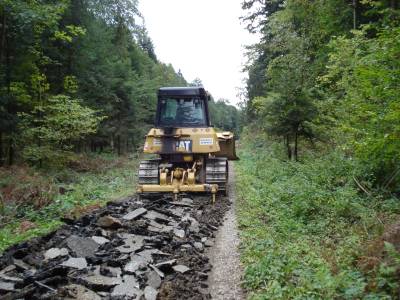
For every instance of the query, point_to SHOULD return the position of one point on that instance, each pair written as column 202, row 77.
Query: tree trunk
column 355, row 7
column 3, row 36
column 296, row 157
column 289, row 149
column 393, row 4
column 8, row 67
column 10, row 108
column 10, row 153
column 119, row 145
column 1, row 150
column 39, row 142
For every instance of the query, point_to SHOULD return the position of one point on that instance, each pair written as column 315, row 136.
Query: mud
column 152, row 248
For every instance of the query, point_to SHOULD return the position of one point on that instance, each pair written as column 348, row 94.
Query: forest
column 318, row 180
column 319, row 219
column 78, row 91
column 76, row 76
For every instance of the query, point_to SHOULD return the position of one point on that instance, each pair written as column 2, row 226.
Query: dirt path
column 225, row 277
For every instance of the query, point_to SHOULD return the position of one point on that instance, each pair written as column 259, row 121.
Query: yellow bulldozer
column 191, row 155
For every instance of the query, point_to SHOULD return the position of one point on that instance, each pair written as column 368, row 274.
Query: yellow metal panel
column 204, row 140
column 191, row 178
column 163, row 178
column 227, row 145
column 188, row 158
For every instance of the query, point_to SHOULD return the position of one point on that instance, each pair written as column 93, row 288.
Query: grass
column 40, row 199
column 308, row 232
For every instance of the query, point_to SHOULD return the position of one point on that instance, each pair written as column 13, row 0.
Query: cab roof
column 182, row 91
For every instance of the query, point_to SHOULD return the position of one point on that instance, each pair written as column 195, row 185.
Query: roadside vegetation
column 319, row 176
column 309, row 229
column 34, row 202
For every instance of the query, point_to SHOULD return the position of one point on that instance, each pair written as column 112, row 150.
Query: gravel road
column 225, row 277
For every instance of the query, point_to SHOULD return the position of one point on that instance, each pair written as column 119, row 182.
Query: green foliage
column 364, row 81
column 288, row 60
column 304, row 226
column 258, row 11
column 50, row 129
column 69, row 34
column 9, row 235
column 225, row 116
column 313, row 76
column 387, row 279
column 89, row 50
column 326, row 72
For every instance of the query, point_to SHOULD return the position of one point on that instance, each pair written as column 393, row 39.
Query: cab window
column 182, row 112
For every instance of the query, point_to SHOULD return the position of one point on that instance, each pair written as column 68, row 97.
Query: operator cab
column 183, row 107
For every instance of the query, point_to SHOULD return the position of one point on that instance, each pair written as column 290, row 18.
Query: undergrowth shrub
column 22, row 188
column 43, row 196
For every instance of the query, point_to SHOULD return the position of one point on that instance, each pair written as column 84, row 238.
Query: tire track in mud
column 152, row 248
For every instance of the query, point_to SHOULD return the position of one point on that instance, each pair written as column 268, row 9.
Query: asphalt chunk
column 82, row 246
column 134, row 214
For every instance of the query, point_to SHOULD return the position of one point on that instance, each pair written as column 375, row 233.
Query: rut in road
column 225, row 277
column 130, row 249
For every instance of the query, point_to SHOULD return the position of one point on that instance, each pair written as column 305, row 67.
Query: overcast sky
column 202, row 38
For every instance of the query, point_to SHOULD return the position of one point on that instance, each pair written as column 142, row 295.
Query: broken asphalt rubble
column 130, row 249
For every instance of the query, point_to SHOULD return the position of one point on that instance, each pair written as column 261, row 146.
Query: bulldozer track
column 217, row 172
column 149, row 171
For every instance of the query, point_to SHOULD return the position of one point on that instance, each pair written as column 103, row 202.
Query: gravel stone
column 156, row 216
column 134, row 214
column 83, row 247
column 132, row 243
column 6, row 286
column 137, row 263
column 199, row 246
column 102, row 282
column 180, row 268
column 150, row 293
column 75, row 263
column 158, row 271
column 153, row 279
column 100, row 240
column 109, row 222
column 55, row 252
column 79, row 292
column 180, row 233
column 129, row 288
